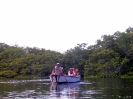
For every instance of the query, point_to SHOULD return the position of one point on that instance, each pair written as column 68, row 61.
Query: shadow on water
column 86, row 89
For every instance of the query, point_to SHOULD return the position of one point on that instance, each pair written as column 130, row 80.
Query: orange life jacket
column 53, row 71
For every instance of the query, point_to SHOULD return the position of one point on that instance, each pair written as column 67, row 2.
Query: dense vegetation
column 111, row 56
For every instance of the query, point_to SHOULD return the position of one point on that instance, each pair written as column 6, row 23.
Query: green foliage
column 111, row 56
column 7, row 74
column 24, row 62
column 76, row 57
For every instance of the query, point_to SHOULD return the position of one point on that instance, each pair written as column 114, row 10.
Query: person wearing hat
column 58, row 70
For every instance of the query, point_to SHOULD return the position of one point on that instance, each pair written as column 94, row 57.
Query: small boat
column 64, row 78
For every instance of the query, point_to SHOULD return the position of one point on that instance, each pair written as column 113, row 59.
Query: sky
column 60, row 25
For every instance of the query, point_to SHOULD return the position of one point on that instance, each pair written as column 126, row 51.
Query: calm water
column 86, row 89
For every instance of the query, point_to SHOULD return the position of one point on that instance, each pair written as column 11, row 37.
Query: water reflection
column 65, row 91
column 87, row 89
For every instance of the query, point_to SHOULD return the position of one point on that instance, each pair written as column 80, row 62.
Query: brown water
column 86, row 89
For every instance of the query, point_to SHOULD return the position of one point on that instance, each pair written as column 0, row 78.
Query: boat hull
column 64, row 79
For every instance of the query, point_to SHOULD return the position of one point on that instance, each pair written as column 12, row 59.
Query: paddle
column 65, row 79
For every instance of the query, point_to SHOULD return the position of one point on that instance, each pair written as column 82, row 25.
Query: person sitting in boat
column 71, row 72
column 76, row 72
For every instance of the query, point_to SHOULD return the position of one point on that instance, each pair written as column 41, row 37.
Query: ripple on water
column 89, row 93
column 23, row 94
column 23, row 81
column 85, row 83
